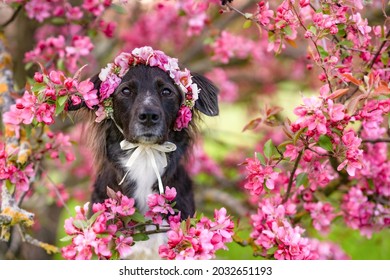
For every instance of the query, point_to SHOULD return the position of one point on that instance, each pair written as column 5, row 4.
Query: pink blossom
column 89, row 93
column 264, row 13
column 108, row 86
column 228, row 89
column 258, row 175
column 123, row 246
column 39, row 10
column 45, row 113
column 184, row 117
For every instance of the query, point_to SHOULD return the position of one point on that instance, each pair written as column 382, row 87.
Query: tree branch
column 12, row 18
column 291, row 180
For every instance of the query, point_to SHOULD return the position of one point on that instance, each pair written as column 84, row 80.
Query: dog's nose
column 148, row 118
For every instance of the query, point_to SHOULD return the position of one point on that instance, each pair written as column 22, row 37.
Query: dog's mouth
column 148, row 138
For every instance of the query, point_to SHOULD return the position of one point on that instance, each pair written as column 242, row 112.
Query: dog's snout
column 149, row 118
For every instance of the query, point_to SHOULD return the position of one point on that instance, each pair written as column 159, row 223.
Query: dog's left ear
column 207, row 102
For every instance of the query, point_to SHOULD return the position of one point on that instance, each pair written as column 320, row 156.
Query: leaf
column 111, row 193
column 140, row 237
column 78, row 73
column 325, row 143
column 252, row 124
column 94, row 217
column 297, row 135
column 292, row 43
column 323, row 53
column 302, row 180
column 66, row 238
column 351, row 79
column 138, row 217
column 38, row 87
column 338, row 93
column 269, row 149
column 60, row 104
column 284, row 144
column 247, row 24
column 353, row 103
column 260, row 158
column 80, row 224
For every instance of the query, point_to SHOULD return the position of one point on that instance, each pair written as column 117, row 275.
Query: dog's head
column 147, row 101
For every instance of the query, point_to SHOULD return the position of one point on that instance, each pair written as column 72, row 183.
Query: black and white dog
column 145, row 106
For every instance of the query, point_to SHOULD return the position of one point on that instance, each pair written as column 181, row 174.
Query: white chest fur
column 144, row 176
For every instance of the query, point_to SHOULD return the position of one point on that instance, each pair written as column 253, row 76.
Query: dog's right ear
column 96, row 82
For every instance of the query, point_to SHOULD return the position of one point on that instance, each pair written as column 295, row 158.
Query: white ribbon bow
column 154, row 152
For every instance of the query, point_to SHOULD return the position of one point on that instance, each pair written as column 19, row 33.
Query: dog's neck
column 143, row 175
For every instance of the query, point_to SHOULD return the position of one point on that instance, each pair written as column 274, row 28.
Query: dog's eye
column 126, row 91
column 166, row 92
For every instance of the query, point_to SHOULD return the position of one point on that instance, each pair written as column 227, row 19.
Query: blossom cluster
column 276, row 236
column 109, row 232
column 197, row 240
column 57, row 49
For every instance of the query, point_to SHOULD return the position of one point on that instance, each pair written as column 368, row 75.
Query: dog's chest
column 143, row 175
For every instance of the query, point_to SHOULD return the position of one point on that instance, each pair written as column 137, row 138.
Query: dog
column 145, row 106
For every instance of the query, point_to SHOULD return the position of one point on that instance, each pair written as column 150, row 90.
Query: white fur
column 143, row 174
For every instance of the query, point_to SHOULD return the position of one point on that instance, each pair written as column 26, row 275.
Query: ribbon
column 154, row 153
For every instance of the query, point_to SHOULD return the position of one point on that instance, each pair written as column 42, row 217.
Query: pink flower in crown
column 124, row 60
column 143, row 54
column 184, row 117
column 109, row 85
column 171, row 66
column 159, row 59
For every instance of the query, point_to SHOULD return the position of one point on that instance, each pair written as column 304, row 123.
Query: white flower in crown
column 105, row 72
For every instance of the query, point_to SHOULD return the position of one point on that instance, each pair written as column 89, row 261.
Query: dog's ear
column 96, row 82
column 207, row 102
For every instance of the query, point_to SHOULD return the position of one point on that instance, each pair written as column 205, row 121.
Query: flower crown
column 113, row 73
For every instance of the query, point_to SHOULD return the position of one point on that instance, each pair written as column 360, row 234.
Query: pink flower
column 123, row 246
column 258, row 175
column 45, row 113
column 184, row 116
column 89, row 93
column 108, row 86
column 126, row 207
column 264, row 13
column 39, row 10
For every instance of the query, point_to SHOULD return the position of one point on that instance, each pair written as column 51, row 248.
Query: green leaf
column 247, row 24
column 94, row 217
column 302, row 180
column 119, row 9
column 80, row 224
column 138, row 217
column 60, row 104
column 269, row 149
column 325, row 143
column 140, row 237
column 38, row 87
column 66, row 238
column 385, row 58
column 261, row 158
column 323, row 53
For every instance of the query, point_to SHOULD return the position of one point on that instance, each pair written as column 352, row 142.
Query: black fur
column 131, row 113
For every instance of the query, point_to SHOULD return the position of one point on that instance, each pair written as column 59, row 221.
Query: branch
column 379, row 51
column 12, row 18
column 291, row 180
column 374, row 141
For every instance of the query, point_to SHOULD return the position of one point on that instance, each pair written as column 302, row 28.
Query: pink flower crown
column 113, row 73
